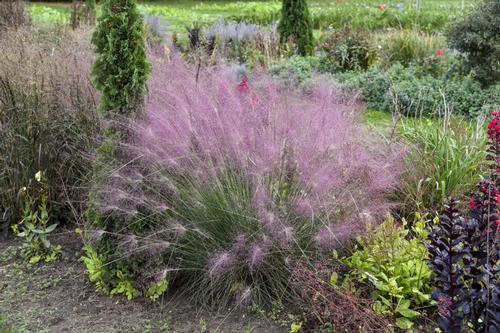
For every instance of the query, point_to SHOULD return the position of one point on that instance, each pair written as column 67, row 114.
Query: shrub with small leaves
column 347, row 49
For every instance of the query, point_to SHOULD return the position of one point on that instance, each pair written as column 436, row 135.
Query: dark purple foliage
column 446, row 251
column 465, row 255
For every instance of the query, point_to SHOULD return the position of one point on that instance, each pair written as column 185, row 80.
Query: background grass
column 182, row 13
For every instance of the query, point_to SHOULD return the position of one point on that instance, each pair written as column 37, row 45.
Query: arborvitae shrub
column 296, row 25
column 120, row 73
column 121, row 70
column 478, row 38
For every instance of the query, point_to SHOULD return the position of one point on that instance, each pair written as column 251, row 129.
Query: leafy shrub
column 348, row 49
column 404, row 90
column 477, row 36
column 396, row 268
column 230, row 184
column 446, row 159
column 13, row 14
column 295, row 71
column 295, row 24
column 47, row 118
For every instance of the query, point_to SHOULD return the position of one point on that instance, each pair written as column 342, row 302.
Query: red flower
column 382, row 6
column 440, row 52
column 244, row 86
column 494, row 127
column 472, row 204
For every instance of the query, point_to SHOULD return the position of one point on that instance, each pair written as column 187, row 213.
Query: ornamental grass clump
column 13, row 14
column 230, row 182
column 48, row 119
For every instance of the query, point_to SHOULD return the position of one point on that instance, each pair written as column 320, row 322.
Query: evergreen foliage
column 296, row 25
column 121, row 70
column 120, row 73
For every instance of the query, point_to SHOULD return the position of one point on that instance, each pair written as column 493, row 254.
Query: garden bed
column 59, row 298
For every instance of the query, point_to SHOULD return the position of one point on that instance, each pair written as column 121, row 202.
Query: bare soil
column 58, row 297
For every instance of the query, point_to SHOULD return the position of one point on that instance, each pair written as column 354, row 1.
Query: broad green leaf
column 403, row 323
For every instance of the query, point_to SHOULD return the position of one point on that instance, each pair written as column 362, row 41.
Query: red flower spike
column 244, row 86
column 494, row 128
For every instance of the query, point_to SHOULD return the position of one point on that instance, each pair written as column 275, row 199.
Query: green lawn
column 363, row 13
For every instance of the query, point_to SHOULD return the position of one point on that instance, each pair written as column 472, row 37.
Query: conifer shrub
column 121, row 69
column 120, row 73
column 228, row 183
column 296, row 25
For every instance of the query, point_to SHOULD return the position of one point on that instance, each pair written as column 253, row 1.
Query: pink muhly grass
column 334, row 235
column 220, row 263
column 208, row 126
column 257, row 255
column 248, row 181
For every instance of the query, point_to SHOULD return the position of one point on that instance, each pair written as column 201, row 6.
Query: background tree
column 296, row 25
column 121, row 69
column 477, row 37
